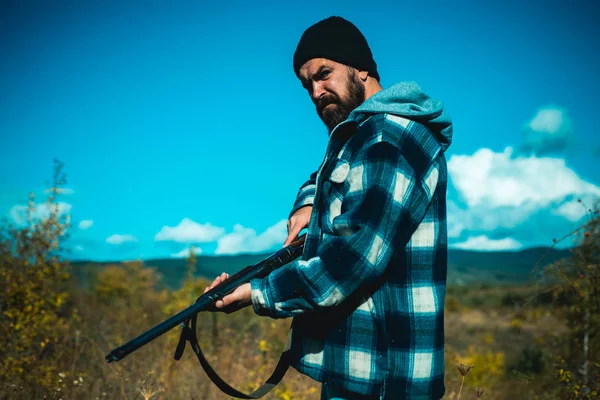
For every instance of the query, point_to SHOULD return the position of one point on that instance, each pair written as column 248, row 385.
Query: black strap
column 188, row 334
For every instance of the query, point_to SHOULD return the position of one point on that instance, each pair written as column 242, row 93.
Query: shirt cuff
column 306, row 201
column 262, row 303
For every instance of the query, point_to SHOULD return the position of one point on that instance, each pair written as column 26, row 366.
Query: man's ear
column 363, row 75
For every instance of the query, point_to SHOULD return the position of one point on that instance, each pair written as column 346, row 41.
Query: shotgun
column 207, row 300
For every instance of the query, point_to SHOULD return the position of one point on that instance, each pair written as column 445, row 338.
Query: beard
column 340, row 109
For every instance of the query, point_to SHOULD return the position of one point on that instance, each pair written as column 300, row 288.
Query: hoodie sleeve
column 306, row 194
column 383, row 206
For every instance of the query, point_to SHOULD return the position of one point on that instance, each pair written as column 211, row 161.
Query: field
column 510, row 333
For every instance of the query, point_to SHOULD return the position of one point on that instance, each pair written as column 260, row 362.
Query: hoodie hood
column 406, row 99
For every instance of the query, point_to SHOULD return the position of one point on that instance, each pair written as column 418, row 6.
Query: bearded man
column 367, row 295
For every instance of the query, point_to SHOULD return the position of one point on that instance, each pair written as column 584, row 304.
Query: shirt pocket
column 333, row 191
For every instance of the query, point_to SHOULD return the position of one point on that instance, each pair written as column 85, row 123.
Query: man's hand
column 297, row 222
column 235, row 300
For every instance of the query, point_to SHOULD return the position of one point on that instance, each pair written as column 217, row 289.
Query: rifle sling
column 188, row 334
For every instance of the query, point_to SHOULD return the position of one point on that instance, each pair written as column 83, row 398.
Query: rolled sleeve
column 261, row 299
column 306, row 194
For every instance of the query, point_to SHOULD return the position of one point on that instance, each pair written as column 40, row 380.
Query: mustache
column 325, row 101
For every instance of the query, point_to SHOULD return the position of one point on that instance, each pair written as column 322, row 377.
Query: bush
column 489, row 367
column 576, row 294
column 531, row 360
column 452, row 304
column 36, row 310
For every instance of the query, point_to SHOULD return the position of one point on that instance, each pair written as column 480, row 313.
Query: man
column 367, row 296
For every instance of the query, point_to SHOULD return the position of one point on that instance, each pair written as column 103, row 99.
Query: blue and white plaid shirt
column 367, row 296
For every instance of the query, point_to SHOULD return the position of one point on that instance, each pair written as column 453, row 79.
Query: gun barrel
column 121, row 352
column 206, row 300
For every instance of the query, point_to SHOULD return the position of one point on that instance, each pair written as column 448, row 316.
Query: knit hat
column 338, row 40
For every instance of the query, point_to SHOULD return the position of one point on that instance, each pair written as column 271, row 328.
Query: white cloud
column 86, row 224
column 245, row 240
column 548, row 131
column 571, row 210
column 60, row 191
column 531, row 199
column 499, row 180
column 186, row 253
column 189, row 231
column 550, row 120
column 483, row 243
column 42, row 211
column 120, row 239
column 455, row 219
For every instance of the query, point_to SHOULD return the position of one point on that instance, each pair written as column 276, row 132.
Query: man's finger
column 287, row 241
column 227, row 300
column 290, row 237
column 215, row 282
column 293, row 235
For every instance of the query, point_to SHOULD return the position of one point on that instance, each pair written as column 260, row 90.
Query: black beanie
column 338, row 40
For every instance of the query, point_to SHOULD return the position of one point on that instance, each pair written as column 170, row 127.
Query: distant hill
column 498, row 267
column 464, row 266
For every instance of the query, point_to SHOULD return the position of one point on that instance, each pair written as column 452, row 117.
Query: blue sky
column 183, row 123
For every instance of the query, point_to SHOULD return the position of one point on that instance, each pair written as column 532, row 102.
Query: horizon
column 267, row 253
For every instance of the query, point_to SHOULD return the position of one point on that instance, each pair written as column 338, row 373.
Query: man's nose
column 317, row 91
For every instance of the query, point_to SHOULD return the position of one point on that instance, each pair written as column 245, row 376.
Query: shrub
column 531, row 360
column 489, row 366
column 36, row 311
column 575, row 285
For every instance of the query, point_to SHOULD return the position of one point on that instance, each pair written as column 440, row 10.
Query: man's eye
column 324, row 74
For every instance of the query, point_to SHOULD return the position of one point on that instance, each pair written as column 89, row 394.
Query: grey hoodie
column 406, row 99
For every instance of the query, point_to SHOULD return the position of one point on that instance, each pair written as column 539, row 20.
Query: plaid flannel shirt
column 367, row 296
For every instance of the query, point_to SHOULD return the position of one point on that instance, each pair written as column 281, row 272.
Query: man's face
column 334, row 88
